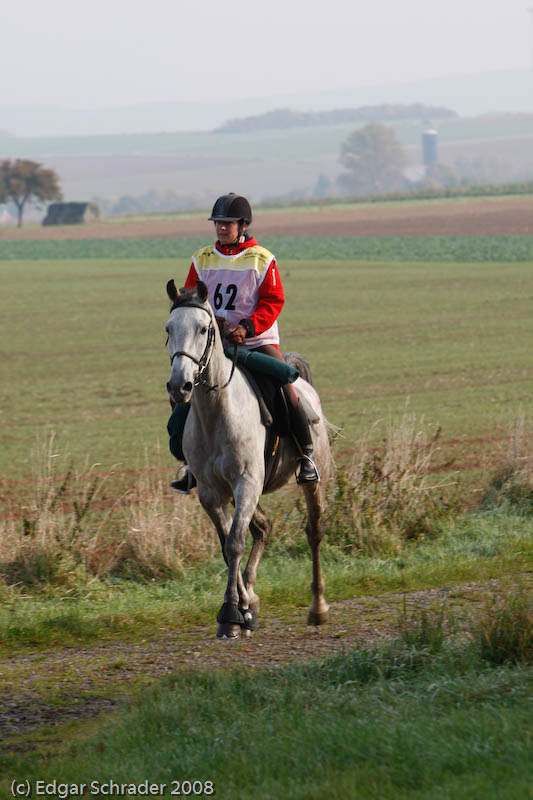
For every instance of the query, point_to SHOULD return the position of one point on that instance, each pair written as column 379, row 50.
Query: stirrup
column 185, row 484
column 308, row 470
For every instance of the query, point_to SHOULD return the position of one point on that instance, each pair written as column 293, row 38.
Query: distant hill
column 287, row 118
column 469, row 95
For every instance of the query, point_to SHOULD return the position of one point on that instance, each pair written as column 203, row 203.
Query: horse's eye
column 203, row 331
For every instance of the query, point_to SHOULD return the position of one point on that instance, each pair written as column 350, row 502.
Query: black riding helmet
column 231, row 208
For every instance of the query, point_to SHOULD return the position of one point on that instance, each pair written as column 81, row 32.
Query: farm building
column 71, row 213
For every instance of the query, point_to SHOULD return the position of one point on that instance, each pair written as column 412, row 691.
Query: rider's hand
column 236, row 334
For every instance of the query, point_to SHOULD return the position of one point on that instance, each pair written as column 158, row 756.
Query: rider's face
column 227, row 232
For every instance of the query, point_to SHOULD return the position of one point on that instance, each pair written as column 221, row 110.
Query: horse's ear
column 172, row 291
column 201, row 288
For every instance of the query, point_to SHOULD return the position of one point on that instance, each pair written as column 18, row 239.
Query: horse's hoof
column 225, row 630
column 318, row 617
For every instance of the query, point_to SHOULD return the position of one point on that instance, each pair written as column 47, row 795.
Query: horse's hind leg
column 260, row 527
column 315, row 499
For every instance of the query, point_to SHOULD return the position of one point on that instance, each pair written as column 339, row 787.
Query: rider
column 245, row 289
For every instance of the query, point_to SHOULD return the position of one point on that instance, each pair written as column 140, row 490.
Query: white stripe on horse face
column 187, row 330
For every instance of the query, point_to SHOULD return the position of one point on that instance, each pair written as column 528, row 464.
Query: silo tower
column 429, row 146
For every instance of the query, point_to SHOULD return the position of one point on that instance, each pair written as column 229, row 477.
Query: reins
column 205, row 358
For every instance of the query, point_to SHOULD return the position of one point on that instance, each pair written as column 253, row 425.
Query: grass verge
column 406, row 721
column 476, row 548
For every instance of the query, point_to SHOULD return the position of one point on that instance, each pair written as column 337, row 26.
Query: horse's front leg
column 232, row 615
column 236, row 607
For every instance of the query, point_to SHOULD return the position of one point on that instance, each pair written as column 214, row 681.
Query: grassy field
column 82, row 349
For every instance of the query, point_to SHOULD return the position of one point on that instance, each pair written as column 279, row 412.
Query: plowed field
column 502, row 216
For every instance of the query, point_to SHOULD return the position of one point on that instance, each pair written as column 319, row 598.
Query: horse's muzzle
column 180, row 394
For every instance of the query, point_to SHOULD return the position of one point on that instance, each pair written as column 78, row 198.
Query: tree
column 374, row 158
column 22, row 180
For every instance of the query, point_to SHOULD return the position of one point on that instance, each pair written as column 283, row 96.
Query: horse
column 224, row 442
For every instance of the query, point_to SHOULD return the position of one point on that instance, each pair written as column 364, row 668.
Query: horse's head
column 191, row 335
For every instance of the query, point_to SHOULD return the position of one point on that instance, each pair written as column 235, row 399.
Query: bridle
column 205, row 358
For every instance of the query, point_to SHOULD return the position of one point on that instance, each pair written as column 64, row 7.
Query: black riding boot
column 185, row 484
column 300, row 429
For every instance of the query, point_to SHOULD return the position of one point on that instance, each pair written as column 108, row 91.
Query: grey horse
column 223, row 442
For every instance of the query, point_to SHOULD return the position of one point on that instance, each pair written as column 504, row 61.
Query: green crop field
column 476, row 249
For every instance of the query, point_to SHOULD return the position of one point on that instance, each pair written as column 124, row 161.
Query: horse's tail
column 300, row 363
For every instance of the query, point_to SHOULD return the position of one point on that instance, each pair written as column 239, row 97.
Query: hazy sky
column 100, row 53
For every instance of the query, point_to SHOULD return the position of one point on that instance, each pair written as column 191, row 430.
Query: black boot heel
column 185, row 484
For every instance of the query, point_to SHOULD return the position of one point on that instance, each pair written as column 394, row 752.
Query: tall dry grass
column 389, row 494
column 162, row 531
column 513, row 482
column 62, row 534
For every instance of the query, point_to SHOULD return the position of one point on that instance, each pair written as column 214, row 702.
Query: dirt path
column 50, row 688
column 491, row 216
